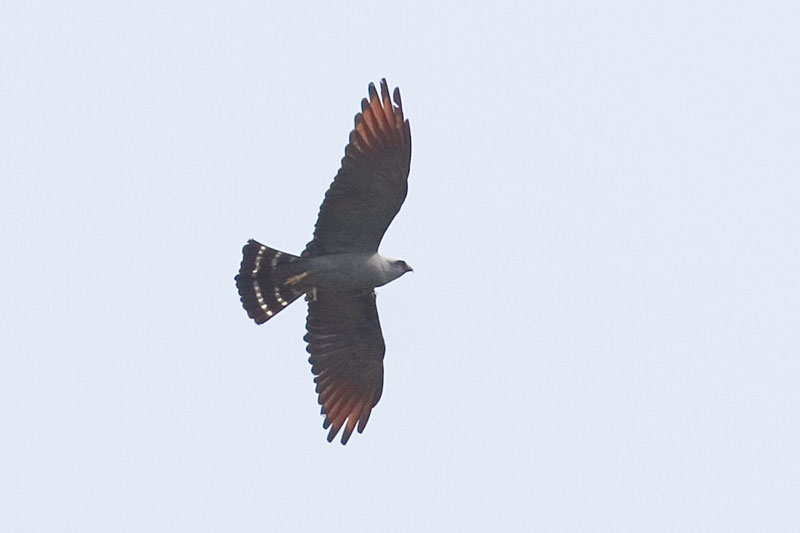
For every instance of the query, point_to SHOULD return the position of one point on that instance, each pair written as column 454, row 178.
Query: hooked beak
column 409, row 269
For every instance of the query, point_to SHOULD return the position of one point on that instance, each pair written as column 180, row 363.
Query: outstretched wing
column 346, row 346
column 372, row 182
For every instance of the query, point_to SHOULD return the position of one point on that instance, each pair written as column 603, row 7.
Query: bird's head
column 399, row 267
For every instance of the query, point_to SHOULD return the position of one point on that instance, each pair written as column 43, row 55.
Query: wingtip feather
column 373, row 94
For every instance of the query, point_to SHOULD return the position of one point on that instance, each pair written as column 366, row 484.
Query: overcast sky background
column 601, row 333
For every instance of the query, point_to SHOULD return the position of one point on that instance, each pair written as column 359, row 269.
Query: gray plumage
column 350, row 272
column 341, row 266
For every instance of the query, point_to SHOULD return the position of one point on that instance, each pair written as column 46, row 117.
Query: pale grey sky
column 601, row 333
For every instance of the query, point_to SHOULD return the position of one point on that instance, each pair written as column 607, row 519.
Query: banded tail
column 262, row 280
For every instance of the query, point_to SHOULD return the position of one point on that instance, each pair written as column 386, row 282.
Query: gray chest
column 347, row 271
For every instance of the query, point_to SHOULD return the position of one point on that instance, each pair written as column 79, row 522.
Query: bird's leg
column 294, row 280
column 311, row 296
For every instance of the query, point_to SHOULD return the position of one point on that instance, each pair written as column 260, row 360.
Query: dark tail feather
column 262, row 280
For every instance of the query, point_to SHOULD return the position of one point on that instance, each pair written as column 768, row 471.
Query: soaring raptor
column 340, row 268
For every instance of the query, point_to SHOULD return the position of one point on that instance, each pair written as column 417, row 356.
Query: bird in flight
column 340, row 267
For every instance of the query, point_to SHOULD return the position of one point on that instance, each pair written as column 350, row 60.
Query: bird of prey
column 340, row 267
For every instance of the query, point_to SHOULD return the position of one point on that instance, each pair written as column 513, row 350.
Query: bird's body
column 352, row 272
column 341, row 266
